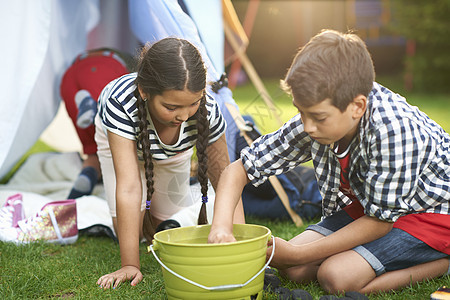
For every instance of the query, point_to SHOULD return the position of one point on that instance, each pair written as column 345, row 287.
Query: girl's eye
column 195, row 103
column 170, row 108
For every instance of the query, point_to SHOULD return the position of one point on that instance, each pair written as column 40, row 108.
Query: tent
column 42, row 37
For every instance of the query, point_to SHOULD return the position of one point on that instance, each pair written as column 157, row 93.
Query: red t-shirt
column 432, row 229
column 354, row 209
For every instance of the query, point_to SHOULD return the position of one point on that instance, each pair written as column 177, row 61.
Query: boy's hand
column 220, row 235
column 283, row 252
column 113, row 280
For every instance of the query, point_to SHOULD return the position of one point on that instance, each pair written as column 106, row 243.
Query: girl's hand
column 220, row 235
column 113, row 280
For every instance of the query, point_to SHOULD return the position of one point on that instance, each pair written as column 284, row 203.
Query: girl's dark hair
column 171, row 64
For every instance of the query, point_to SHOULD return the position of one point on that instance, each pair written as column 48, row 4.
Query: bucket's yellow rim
column 266, row 235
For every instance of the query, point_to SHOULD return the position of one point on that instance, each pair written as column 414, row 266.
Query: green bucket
column 194, row 269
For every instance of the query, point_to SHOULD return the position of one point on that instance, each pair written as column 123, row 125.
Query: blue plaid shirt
column 399, row 160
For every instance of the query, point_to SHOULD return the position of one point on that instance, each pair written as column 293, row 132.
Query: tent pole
column 251, row 72
column 240, row 123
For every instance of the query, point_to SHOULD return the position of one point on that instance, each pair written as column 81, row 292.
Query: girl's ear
column 141, row 93
column 359, row 106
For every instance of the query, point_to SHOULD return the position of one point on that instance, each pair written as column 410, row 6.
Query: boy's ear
column 359, row 106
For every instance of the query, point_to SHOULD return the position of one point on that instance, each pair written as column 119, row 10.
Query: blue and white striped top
column 118, row 111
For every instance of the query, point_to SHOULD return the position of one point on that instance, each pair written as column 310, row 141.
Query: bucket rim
column 265, row 235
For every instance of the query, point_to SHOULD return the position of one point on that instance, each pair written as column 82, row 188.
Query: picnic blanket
column 49, row 176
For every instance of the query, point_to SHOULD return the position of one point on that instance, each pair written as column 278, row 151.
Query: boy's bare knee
column 330, row 279
column 300, row 274
column 335, row 279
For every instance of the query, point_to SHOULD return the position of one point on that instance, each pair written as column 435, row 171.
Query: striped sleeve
column 217, row 124
column 118, row 107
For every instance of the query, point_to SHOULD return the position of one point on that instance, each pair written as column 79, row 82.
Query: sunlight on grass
column 40, row 271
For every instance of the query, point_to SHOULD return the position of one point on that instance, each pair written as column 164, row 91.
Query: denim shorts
column 396, row 250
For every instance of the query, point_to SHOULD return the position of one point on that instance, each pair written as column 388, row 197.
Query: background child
column 146, row 127
column 377, row 160
column 80, row 87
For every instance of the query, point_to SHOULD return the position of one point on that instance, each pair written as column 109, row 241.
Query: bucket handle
column 219, row 287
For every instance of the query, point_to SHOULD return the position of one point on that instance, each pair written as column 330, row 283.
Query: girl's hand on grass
column 283, row 252
column 113, row 280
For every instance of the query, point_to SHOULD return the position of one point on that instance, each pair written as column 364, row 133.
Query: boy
column 383, row 169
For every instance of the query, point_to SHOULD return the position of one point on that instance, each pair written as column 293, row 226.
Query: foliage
column 427, row 23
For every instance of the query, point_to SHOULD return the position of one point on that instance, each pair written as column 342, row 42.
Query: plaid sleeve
column 277, row 152
column 398, row 153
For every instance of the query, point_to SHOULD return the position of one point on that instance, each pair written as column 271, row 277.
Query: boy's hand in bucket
column 114, row 279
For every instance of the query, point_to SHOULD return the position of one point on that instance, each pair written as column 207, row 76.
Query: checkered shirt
column 399, row 160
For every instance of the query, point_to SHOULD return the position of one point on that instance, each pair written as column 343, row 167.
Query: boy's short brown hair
column 332, row 65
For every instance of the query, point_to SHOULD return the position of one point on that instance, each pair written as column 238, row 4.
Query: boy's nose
column 309, row 126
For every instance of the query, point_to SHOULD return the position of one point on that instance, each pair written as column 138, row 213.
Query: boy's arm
column 360, row 231
column 218, row 160
column 228, row 193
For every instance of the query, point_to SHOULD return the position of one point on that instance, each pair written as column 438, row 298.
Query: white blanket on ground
column 49, row 176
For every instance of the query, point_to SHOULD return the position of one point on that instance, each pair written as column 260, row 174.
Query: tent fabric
column 153, row 20
column 40, row 39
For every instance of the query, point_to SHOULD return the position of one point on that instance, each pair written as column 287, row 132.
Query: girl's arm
column 228, row 199
column 128, row 206
column 360, row 231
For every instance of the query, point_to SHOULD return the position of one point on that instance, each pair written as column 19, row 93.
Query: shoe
column 87, row 108
column 56, row 222
column 442, row 293
column 167, row 224
column 12, row 212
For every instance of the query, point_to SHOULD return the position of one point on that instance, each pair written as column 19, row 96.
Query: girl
column 147, row 125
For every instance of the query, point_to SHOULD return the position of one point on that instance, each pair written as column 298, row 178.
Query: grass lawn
column 40, row 270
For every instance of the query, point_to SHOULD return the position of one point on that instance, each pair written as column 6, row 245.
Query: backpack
column 300, row 185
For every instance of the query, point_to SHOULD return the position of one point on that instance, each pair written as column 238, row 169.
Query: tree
column 427, row 24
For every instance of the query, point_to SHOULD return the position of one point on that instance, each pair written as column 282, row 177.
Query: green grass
column 42, row 271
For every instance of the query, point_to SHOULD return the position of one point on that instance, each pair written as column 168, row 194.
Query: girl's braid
column 144, row 141
column 202, row 143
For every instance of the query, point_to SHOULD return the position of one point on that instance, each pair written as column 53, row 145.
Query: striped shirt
column 118, row 111
column 399, row 160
